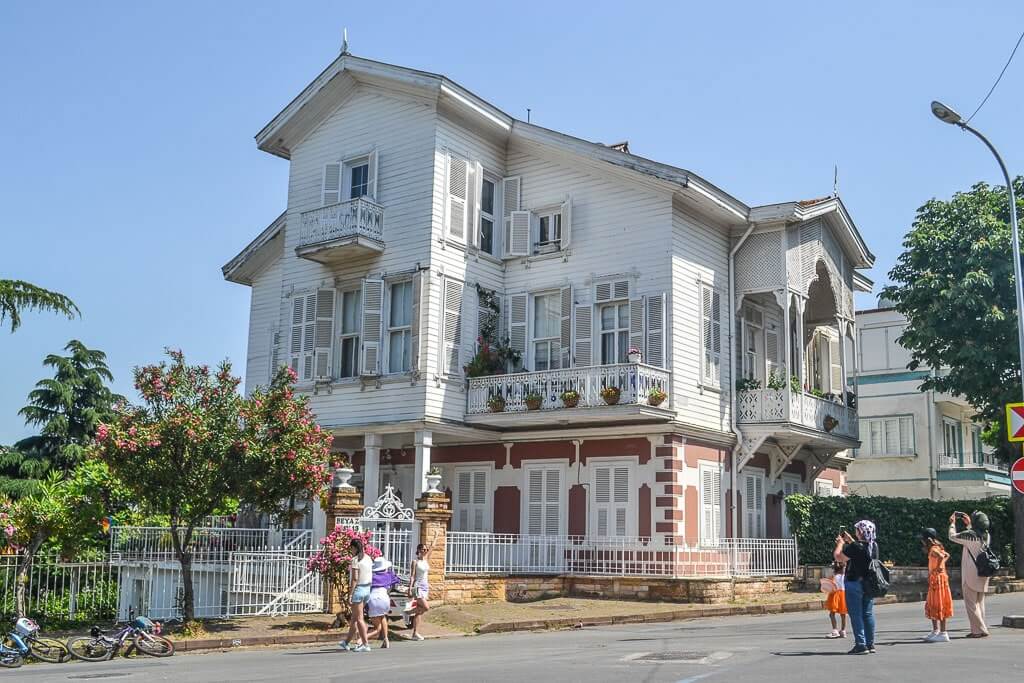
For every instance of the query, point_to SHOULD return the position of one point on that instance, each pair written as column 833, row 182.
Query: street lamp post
column 947, row 115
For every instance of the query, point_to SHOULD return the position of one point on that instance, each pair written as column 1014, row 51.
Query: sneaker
column 842, row 633
column 344, row 645
column 833, row 634
column 858, row 650
column 417, row 636
column 872, row 650
column 941, row 637
column 930, row 638
column 361, row 648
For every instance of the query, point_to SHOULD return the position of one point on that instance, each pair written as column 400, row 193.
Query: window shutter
column 476, row 181
column 303, row 329
column 511, row 189
column 636, row 323
column 275, row 353
column 373, row 307
column 552, row 502
column 535, row 502
column 566, row 223
column 331, row 187
column 518, row 306
column 655, row 354
column 458, row 192
column 711, row 309
column 420, row 285
column 584, row 335
column 371, row 174
column 452, row 326
column 771, row 351
column 711, row 494
column 479, row 499
column 611, row 291
column 565, row 330
column 621, row 499
column 462, row 499
column 324, row 332
column 518, row 242
column 602, row 498
column 836, row 367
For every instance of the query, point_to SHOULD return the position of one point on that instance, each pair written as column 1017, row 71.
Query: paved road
column 767, row 648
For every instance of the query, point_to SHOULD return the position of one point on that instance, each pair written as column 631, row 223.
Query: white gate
column 393, row 526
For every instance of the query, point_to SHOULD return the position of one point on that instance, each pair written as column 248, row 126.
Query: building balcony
column 339, row 231
column 799, row 416
column 961, row 461
column 633, row 380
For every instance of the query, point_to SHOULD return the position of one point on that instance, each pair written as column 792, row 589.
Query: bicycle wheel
column 9, row 659
column 154, row 646
column 90, row 649
column 49, row 650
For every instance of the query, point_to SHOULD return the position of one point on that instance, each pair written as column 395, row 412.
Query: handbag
column 876, row 581
column 987, row 562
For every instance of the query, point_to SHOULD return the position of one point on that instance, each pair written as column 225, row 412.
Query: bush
column 815, row 520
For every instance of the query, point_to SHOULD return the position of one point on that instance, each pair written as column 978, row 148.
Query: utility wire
column 993, row 88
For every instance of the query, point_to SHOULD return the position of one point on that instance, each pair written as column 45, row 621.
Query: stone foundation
column 458, row 590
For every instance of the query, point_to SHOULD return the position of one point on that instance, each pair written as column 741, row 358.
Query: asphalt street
column 784, row 647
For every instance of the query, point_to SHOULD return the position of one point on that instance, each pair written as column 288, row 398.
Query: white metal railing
column 486, row 553
column 61, row 590
column 274, row 582
column 359, row 217
column 208, row 544
column 969, row 460
column 296, row 539
column 634, row 381
column 755, row 406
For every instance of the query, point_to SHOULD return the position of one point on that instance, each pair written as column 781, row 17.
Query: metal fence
column 208, row 544
column 59, row 590
column 274, row 582
column 487, row 553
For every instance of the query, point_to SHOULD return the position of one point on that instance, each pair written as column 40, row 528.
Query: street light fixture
column 948, row 115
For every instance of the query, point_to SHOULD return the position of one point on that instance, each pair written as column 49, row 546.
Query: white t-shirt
column 364, row 571
column 840, row 580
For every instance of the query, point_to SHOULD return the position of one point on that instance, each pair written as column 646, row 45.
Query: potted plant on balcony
column 496, row 403
column 570, row 398
column 611, row 395
column 433, row 479
column 747, row 384
column 343, row 473
column 794, row 384
column 777, row 381
column 634, row 355
column 656, row 396
column 533, row 400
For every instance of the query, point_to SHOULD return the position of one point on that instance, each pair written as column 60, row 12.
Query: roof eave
column 236, row 269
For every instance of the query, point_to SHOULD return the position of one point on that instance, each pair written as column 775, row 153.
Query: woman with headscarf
column 973, row 538
column 857, row 553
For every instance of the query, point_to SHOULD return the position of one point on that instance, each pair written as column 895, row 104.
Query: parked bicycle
column 26, row 642
column 142, row 634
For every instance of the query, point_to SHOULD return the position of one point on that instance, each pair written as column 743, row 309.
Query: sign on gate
column 1017, row 475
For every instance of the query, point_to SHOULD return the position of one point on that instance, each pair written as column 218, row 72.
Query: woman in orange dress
column 939, row 605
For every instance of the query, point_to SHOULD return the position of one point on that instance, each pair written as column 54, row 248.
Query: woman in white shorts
column 379, row 602
column 419, row 586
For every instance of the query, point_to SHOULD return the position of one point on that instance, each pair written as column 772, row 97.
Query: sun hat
column 382, row 564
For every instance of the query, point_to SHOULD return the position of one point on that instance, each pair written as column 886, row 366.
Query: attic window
column 620, row 146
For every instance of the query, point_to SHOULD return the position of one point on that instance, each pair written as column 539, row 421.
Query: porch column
column 783, row 299
column 371, row 468
column 801, row 354
column 841, row 323
column 434, row 514
column 424, row 440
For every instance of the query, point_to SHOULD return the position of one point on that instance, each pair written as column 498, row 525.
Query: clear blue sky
column 130, row 174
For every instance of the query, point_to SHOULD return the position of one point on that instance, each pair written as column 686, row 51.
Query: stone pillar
column 343, row 503
column 371, row 468
column 669, row 491
column 423, row 439
column 434, row 514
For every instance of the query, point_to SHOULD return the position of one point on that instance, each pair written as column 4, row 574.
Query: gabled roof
column 260, row 252
column 834, row 210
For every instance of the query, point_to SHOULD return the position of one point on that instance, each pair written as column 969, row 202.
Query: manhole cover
column 678, row 657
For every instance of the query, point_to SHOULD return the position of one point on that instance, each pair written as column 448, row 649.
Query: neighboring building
column 914, row 444
column 421, row 218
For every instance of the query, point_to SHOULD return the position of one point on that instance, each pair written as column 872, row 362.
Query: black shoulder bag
column 876, row 581
column 987, row 562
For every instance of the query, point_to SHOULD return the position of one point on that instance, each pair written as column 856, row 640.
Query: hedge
column 815, row 521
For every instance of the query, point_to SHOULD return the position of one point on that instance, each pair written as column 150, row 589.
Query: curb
column 1013, row 621
column 231, row 643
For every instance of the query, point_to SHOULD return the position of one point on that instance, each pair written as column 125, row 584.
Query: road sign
column 1015, row 421
column 1017, row 474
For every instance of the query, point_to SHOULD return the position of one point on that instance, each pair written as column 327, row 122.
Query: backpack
column 876, row 581
column 987, row 562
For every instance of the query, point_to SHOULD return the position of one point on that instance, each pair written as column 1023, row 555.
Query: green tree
column 67, row 408
column 64, row 510
column 17, row 296
column 195, row 444
column 954, row 282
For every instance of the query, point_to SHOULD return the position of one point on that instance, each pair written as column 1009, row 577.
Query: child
column 836, row 602
column 939, row 605
column 379, row 602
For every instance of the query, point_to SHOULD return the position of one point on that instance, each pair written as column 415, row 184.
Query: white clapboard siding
column 265, row 316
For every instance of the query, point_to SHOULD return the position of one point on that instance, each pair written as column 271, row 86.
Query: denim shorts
column 361, row 594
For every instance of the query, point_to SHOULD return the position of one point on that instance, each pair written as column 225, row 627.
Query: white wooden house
column 420, row 215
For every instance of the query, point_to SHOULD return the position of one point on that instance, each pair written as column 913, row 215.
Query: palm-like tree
column 67, row 408
column 17, row 296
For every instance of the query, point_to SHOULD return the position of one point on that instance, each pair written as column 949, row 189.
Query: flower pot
column 496, row 406
column 534, row 403
column 342, row 475
column 656, row 400
column 432, row 481
column 635, row 357
column 571, row 402
column 611, row 397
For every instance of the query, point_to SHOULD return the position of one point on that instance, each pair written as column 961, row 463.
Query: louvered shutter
column 457, row 194
column 771, row 351
column 476, row 180
column 535, row 502
column 302, row 338
column 602, row 498
column 566, row 223
column 275, row 353
column 710, row 494
column 518, row 307
column 636, row 323
column 711, row 309
column 372, row 163
column 615, row 290
column 836, row 367
column 324, row 333
column 750, row 504
column 420, row 285
column 331, row 187
column 479, row 500
column 511, row 189
column 452, row 326
column 518, row 242
column 372, row 318
column 552, row 502
column 583, row 335
column 565, row 329
column 463, row 496
column 655, row 354
column 620, row 499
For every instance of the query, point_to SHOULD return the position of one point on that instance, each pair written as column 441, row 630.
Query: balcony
column 960, row 461
column 339, row 231
column 633, row 380
column 795, row 414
